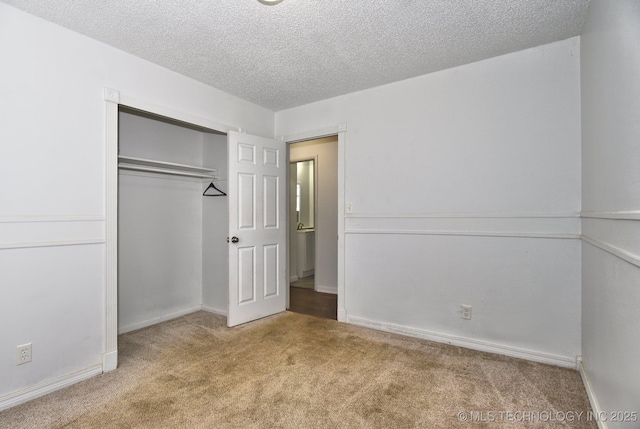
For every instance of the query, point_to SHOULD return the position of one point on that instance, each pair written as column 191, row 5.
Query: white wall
column 160, row 237
column 52, row 188
column 463, row 187
column 610, row 69
column 326, row 222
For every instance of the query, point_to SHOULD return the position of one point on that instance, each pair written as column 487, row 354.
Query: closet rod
column 165, row 171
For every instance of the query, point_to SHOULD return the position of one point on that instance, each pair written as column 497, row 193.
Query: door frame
column 113, row 99
column 340, row 130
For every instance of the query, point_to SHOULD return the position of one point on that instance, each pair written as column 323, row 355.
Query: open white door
column 257, row 228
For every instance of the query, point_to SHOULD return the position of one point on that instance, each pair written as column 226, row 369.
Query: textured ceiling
column 302, row 51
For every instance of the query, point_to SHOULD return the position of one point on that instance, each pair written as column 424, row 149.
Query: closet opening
column 173, row 219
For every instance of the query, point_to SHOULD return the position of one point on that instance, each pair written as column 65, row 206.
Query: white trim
column 176, row 115
column 341, row 131
column 327, row 289
column 591, row 394
column 111, row 95
column 469, row 343
column 461, row 215
column 313, row 135
column 112, row 98
column 289, row 278
column 342, row 168
column 515, row 234
column 32, row 244
column 623, row 214
column 158, row 319
column 46, row 387
column 307, row 273
column 214, row 310
column 68, row 218
column 615, row 251
column 109, row 361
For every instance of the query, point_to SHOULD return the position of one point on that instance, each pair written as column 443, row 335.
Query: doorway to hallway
column 313, row 226
column 308, row 301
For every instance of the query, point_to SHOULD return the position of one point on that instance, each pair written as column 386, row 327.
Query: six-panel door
column 257, row 207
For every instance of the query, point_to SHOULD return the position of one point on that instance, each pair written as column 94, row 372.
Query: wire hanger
column 211, row 185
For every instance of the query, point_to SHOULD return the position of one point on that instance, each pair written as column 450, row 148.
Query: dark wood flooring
column 308, row 301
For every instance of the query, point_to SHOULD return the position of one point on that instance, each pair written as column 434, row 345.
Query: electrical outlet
column 23, row 354
column 466, row 311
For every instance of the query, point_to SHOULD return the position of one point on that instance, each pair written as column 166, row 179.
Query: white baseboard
column 342, row 315
column 214, row 310
column 109, row 361
column 593, row 400
column 469, row 343
column 154, row 320
column 45, row 387
column 327, row 289
column 293, row 279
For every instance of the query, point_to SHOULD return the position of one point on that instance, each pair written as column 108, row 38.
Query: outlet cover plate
column 23, row 354
column 466, row 311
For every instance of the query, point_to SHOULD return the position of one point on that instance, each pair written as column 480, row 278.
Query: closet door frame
column 113, row 100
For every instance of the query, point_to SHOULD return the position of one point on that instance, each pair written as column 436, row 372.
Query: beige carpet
column 297, row 371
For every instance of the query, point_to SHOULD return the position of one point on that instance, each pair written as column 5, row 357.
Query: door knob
column 234, row 239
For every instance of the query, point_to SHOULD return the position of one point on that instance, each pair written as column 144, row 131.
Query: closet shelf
column 153, row 166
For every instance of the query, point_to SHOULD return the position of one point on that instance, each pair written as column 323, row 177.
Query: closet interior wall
column 172, row 251
column 215, row 229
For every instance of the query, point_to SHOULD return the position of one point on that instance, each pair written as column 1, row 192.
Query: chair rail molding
column 615, row 251
column 622, row 214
